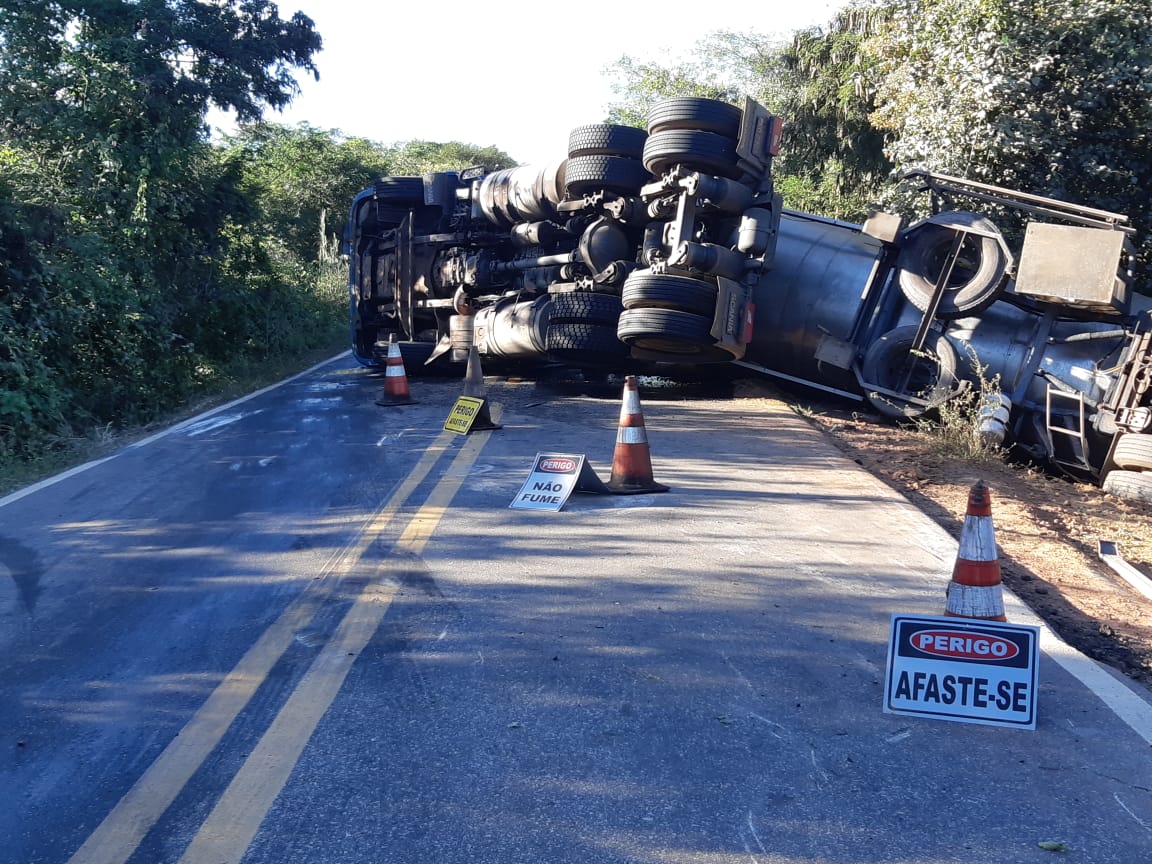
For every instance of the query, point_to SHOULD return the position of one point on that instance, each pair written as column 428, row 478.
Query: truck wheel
column 1133, row 452
column 607, row 139
column 585, row 174
column 585, row 307
column 700, row 151
column 390, row 215
column 589, row 344
column 1132, row 485
column 668, row 331
column 400, row 190
column 688, row 112
column 662, row 291
column 976, row 278
column 930, row 375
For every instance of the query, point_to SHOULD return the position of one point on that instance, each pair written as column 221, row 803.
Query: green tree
column 828, row 82
column 1046, row 96
column 114, row 93
column 723, row 65
column 30, row 403
column 303, row 180
column 67, row 59
column 414, row 158
column 123, row 207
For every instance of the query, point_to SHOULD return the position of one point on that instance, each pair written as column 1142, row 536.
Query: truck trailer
column 664, row 249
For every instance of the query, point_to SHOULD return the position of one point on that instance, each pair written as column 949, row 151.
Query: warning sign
column 963, row 669
column 469, row 413
column 554, row 477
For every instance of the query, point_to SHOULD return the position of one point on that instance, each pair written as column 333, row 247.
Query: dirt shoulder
column 1047, row 528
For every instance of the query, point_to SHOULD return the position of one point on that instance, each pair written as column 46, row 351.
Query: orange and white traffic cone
column 975, row 591
column 632, row 461
column 395, row 378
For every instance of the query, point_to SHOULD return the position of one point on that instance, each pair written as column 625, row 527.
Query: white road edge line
column 1124, row 702
column 144, row 442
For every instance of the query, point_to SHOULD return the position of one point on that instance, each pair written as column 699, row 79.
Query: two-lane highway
column 308, row 628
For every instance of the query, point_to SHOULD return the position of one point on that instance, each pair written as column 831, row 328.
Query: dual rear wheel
column 699, row 134
column 669, row 317
column 582, row 328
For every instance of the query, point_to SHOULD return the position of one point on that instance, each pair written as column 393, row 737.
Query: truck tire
column 1133, row 452
column 390, row 215
column 668, row 331
column 585, row 307
column 585, row 174
column 401, row 190
column 931, row 377
column 976, row 278
column 607, row 139
column 700, row 151
column 644, row 290
column 1131, row 485
column 415, row 356
column 689, row 112
column 594, row 344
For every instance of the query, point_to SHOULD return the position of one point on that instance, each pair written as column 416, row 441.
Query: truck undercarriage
column 668, row 248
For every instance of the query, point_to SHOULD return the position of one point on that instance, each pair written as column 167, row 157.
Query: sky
column 508, row 73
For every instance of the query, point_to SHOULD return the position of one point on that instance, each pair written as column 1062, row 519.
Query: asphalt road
column 307, row 628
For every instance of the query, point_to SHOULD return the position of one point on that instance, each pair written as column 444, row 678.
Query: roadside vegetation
column 146, row 268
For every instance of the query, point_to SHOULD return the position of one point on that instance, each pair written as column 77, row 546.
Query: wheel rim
column 928, row 376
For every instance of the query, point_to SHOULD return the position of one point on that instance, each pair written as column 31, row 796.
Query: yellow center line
column 117, row 837
column 231, row 826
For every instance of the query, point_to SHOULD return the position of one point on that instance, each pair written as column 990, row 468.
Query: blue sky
column 514, row 74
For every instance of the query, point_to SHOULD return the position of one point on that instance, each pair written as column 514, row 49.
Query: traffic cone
column 974, row 591
column 473, row 375
column 632, row 462
column 395, row 378
column 472, row 402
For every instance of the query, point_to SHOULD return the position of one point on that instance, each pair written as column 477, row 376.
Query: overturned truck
column 667, row 248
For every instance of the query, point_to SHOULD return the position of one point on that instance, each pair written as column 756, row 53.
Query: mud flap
column 732, row 324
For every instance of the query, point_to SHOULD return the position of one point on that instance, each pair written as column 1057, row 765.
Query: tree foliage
column 414, row 158
column 1048, row 96
column 113, row 93
column 66, row 59
column 723, row 65
column 828, row 82
column 302, row 179
column 117, row 217
column 138, row 261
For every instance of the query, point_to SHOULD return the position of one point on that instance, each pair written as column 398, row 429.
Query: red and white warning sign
column 554, row 477
column 963, row 669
